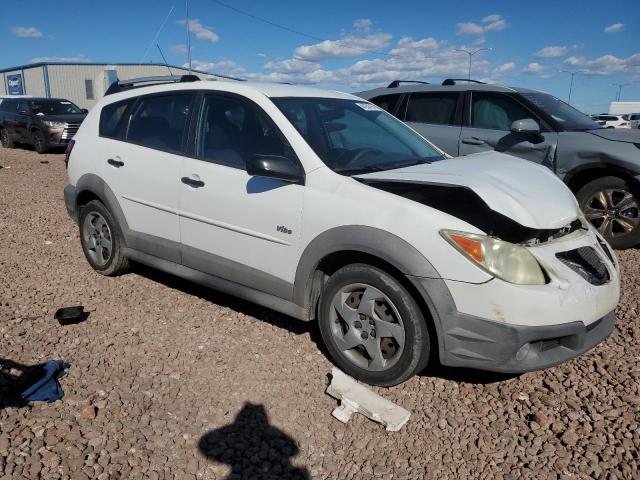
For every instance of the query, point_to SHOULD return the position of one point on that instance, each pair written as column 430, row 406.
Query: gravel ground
column 170, row 380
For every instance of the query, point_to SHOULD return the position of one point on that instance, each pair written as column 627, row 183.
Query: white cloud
column 469, row 28
column 551, row 52
column 363, row 24
column 606, row 64
column 26, row 32
column 504, row 68
column 178, row 49
column 533, row 68
column 407, row 46
column 616, row 27
column 490, row 23
column 348, row 46
column 71, row 59
column 223, row 67
column 200, row 31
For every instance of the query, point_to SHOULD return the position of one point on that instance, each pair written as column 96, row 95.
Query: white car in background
column 611, row 121
column 324, row 207
column 634, row 120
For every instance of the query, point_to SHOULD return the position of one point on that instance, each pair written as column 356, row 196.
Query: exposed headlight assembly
column 508, row 261
column 50, row 123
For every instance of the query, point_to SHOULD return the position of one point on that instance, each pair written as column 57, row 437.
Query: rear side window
column 435, row 108
column 160, row 122
column 386, row 102
column 113, row 118
column 496, row 111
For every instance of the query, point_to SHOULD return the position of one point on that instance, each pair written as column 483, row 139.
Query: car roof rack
column 396, row 83
column 122, row 85
column 452, row 81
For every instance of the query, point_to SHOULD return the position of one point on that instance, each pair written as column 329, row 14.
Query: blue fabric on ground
column 47, row 388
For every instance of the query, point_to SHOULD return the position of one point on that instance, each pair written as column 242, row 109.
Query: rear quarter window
column 113, row 118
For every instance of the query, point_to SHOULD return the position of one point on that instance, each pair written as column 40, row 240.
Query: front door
column 242, row 228
column 489, row 128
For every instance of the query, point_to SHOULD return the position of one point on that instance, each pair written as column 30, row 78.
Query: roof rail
column 397, row 83
column 452, row 81
column 122, row 85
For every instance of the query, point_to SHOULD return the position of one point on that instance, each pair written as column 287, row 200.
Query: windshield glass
column 567, row 117
column 53, row 107
column 353, row 137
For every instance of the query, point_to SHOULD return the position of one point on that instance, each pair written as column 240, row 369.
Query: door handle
column 115, row 163
column 473, row 141
column 191, row 182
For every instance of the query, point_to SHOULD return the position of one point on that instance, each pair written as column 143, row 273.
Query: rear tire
column 372, row 326
column 613, row 207
column 102, row 240
column 40, row 142
column 5, row 139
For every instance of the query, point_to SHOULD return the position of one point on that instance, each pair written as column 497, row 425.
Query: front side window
column 231, row 130
column 493, row 111
column 434, row 108
column 160, row 122
column 567, row 117
column 353, row 136
column 54, row 107
column 114, row 117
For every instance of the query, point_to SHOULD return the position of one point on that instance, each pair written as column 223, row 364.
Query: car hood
column 525, row 192
column 74, row 118
column 617, row 134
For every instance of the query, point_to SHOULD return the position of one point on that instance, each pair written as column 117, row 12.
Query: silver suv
column 600, row 166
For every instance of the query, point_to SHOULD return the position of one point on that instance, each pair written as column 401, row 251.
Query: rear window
column 113, row 118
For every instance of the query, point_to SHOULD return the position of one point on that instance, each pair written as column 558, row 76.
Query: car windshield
column 567, row 117
column 353, row 137
column 54, row 107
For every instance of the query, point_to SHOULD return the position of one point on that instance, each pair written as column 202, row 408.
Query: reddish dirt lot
column 170, row 380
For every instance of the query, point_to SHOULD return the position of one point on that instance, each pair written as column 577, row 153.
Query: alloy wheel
column 366, row 327
column 97, row 238
column 614, row 212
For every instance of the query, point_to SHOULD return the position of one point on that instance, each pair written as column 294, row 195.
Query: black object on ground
column 44, row 161
column 21, row 384
column 71, row 315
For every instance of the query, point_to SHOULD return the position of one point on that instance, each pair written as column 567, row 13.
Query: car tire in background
column 613, row 207
column 372, row 326
column 101, row 239
column 39, row 142
column 5, row 139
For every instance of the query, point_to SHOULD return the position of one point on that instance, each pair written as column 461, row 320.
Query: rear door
column 488, row 119
column 22, row 120
column 436, row 116
column 143, row 167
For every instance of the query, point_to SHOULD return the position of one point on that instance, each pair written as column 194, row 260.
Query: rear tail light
column 68, row 152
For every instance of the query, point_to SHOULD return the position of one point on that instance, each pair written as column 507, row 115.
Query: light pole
column 471, row 53
column 573, row 74
column 619, row 85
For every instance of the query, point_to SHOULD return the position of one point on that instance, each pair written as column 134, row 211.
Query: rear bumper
column 71, row 201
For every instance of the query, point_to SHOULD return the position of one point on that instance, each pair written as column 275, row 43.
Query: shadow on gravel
column 466, row 375
column 13, row 378
column 253, row 448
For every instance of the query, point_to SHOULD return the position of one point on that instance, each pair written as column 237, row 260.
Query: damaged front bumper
column 503, row 327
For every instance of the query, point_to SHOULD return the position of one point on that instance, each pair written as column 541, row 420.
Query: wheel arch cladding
column 89, row 187
column 579, row 177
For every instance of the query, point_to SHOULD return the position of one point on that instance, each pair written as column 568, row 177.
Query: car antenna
column 165, row 60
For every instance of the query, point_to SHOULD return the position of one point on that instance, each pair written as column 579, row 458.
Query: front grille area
column 586, row 262
column 70, row 130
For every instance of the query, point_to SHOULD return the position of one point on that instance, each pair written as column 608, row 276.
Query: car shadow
column 252, row 447
column 465, row 375
column 14, row 379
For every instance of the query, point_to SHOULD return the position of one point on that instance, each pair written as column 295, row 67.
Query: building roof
column 41, row 64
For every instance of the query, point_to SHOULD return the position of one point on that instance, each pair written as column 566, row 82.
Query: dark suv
column 601, row 166
column 43, row 122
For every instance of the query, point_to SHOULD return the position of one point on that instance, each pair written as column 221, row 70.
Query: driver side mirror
column 84, row 110
column 275, row 166
column 526, row 125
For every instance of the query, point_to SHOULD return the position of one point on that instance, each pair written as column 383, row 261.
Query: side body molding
column 360, row 238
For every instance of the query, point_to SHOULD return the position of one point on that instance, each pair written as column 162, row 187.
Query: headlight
column 510, row 262
column 50, row 123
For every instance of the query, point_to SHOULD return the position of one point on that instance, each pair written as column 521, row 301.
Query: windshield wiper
column 382, row 167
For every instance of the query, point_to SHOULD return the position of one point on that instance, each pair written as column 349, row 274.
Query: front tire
column 101, row 239
column 372, row 326
column 39, row 142
column 5, row 139
column 613, row 207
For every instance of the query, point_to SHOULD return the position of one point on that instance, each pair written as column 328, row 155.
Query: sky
column 349, row 46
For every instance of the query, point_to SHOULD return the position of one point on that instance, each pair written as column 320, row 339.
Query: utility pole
column 619, row 85
column 471, row 53
column 186, row 9
column 573, row 74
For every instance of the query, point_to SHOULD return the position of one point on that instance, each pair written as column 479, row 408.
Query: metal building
column 82, row 83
